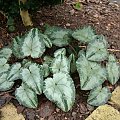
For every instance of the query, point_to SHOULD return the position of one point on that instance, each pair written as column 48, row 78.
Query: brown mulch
column 104, row 16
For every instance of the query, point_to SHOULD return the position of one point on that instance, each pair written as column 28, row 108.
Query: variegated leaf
column 113, row 70
column 26, row 96
column 5, row 53
column 99, row 96
column 14, row 72
column 16, row 47
column 91, row 73
column 60, row 63
column 33, row 77
column 3, row 65
column 4, row 83
column 33, row 45
column 84, row 35
column 61, row 90
column 97, row 50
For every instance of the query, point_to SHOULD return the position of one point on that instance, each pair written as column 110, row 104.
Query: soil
column 102, row 15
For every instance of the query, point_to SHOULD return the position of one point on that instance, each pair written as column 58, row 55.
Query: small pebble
column 68, row 24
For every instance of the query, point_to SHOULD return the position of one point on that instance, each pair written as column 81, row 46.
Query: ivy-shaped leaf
column 3, row 65
column 99, row 96
column 26, row 96
column 61, row 90
column 33, row 45
column 91, row 73
column 59, row 37
column 113, row 69
column 33, row 77
column 16, row 47
column 50, row 30
column 14, row 72
column 60, row 63
column 5, row 53
column 4, row 83
column 96, row 50
column 84, row 35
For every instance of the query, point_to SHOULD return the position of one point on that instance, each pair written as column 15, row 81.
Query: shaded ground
column 102, row 15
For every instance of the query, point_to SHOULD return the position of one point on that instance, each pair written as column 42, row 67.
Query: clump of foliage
column 52, row 76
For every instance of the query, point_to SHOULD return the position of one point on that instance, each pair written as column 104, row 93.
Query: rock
column 104, row 112
column 9, row 112
column 68, row 24
column 115, row 99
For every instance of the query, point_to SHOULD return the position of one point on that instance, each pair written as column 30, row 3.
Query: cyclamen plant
column 53, row 76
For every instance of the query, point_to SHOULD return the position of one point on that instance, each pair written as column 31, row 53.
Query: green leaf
column 113, row 69
column 77, row 6
column 5, row 53
column 33, row 45
column 99, row 96
column 33, row 77
column 14, row 72
column 84, row 35
column 16, row 47
column 96, row 50
column 61, row 90
column 4, row 83
column 3, row 65
column 91, row 73
column 72, row 63
column 26, row 96
column 60, row 63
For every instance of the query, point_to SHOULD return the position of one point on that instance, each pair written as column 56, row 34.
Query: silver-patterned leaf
column 61, row 38
column 84, row 35
column 61, row 90
column 46, row 40
column 61, row 51
column 99, row 96
column 97, row 50
column 16, row 47
column 33, row 77
column 113, row 69
column 33, row 45
column 14, row 72
column 91, row 73
column 3, row 65
column 26, row 96
column 4, row 83
column 60, row 63
column 5, row 53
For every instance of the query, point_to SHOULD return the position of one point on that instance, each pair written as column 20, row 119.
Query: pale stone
column 9, row 112
column 104, row 112
column 115, row 99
